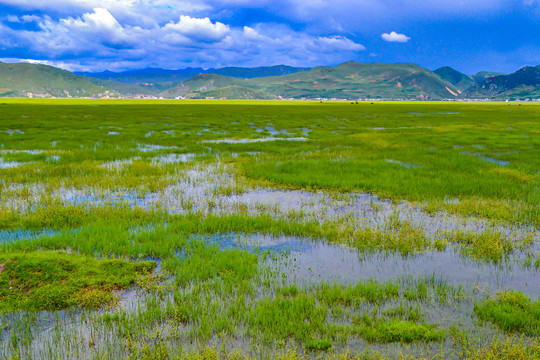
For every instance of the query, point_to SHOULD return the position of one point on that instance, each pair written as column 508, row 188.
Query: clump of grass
column 200, row 262
column 319, row 345
column 54, row 280
column 386, row 331
column 513, row 211
column 353, row 295
column 485, row 246
column 396, row 235
column 511, row 311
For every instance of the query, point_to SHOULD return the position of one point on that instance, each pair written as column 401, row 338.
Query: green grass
column 38, row 281
column 114, row 205
column 341, row 154
column 511, row 311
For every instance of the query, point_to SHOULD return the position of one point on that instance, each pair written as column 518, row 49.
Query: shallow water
column 406, row 165
column 308, row 262
column 173, row 158
column 487, row 158
column 247, row 141
column 153, row 147
column 22, row 234
column 9, row 164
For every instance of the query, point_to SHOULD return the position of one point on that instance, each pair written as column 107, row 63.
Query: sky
column 117, row 35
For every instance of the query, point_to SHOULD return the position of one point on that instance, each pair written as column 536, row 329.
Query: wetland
column 289, row 230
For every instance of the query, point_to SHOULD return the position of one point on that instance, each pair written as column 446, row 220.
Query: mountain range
column 350, row 80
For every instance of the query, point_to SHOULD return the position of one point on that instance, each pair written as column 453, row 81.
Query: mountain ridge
column 36, row 80
column 350, row 80
column 523, row 83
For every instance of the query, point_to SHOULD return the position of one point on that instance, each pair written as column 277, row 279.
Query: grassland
column 201, row 230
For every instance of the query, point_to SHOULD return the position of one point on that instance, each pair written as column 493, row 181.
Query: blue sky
column 92, row 35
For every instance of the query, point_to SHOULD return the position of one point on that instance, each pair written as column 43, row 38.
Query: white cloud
column 395, row 37
column 198, row 29
column 100, row 19
column 30, row 18
column 98, row 40
column 336, row 43
column 13, row 19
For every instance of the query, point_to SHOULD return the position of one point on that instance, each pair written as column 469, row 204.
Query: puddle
column 118, row 164
column 12, row 132
column 487, row 158
column 247, row 141
column 30, row 152
column 10, row 164
column 272, row 130
column 308, row 262
column 173, row 158
column 406, row 165
column 20, row 234
column 52, row 158
column 152, row 147
column 88, row 198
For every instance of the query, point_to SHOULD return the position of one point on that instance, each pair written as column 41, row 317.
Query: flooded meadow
column 185, row 230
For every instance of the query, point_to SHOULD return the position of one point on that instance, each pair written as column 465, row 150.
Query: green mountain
column 350, row 80
column 263, row 71
column 361, row 80
column 459, row 80
column 201, row 82
column 483, row 75
column 33, row 80
column 152, row 76
column 523, row 84
column 233, row 92
column 132, row 90
column 146, row 76
column 346, row 81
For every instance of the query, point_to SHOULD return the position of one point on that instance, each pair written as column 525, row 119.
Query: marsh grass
column 38, row 281
column 511, row 311
column 124, row 204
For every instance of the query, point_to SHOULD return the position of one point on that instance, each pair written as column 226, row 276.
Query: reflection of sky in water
column 309, row 262
column 487, row 158
column 20, row 234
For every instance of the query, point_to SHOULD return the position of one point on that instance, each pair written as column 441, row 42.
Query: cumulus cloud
column 198, row 29
column 395, row 37
column 98, row 40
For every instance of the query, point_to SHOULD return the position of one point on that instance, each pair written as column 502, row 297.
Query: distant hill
column 522, row 84
column 350, row 80
column 483, row 75
column 201, row 82
column 232, row 92
column 459, row 80
column 360, row 80
column 264, row 71
column 127, row 89
column 346, row 81
column 34, row 80
column 148, row 75
column 151, row 76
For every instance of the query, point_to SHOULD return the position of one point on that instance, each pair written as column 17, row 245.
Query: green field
column 292, row 230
